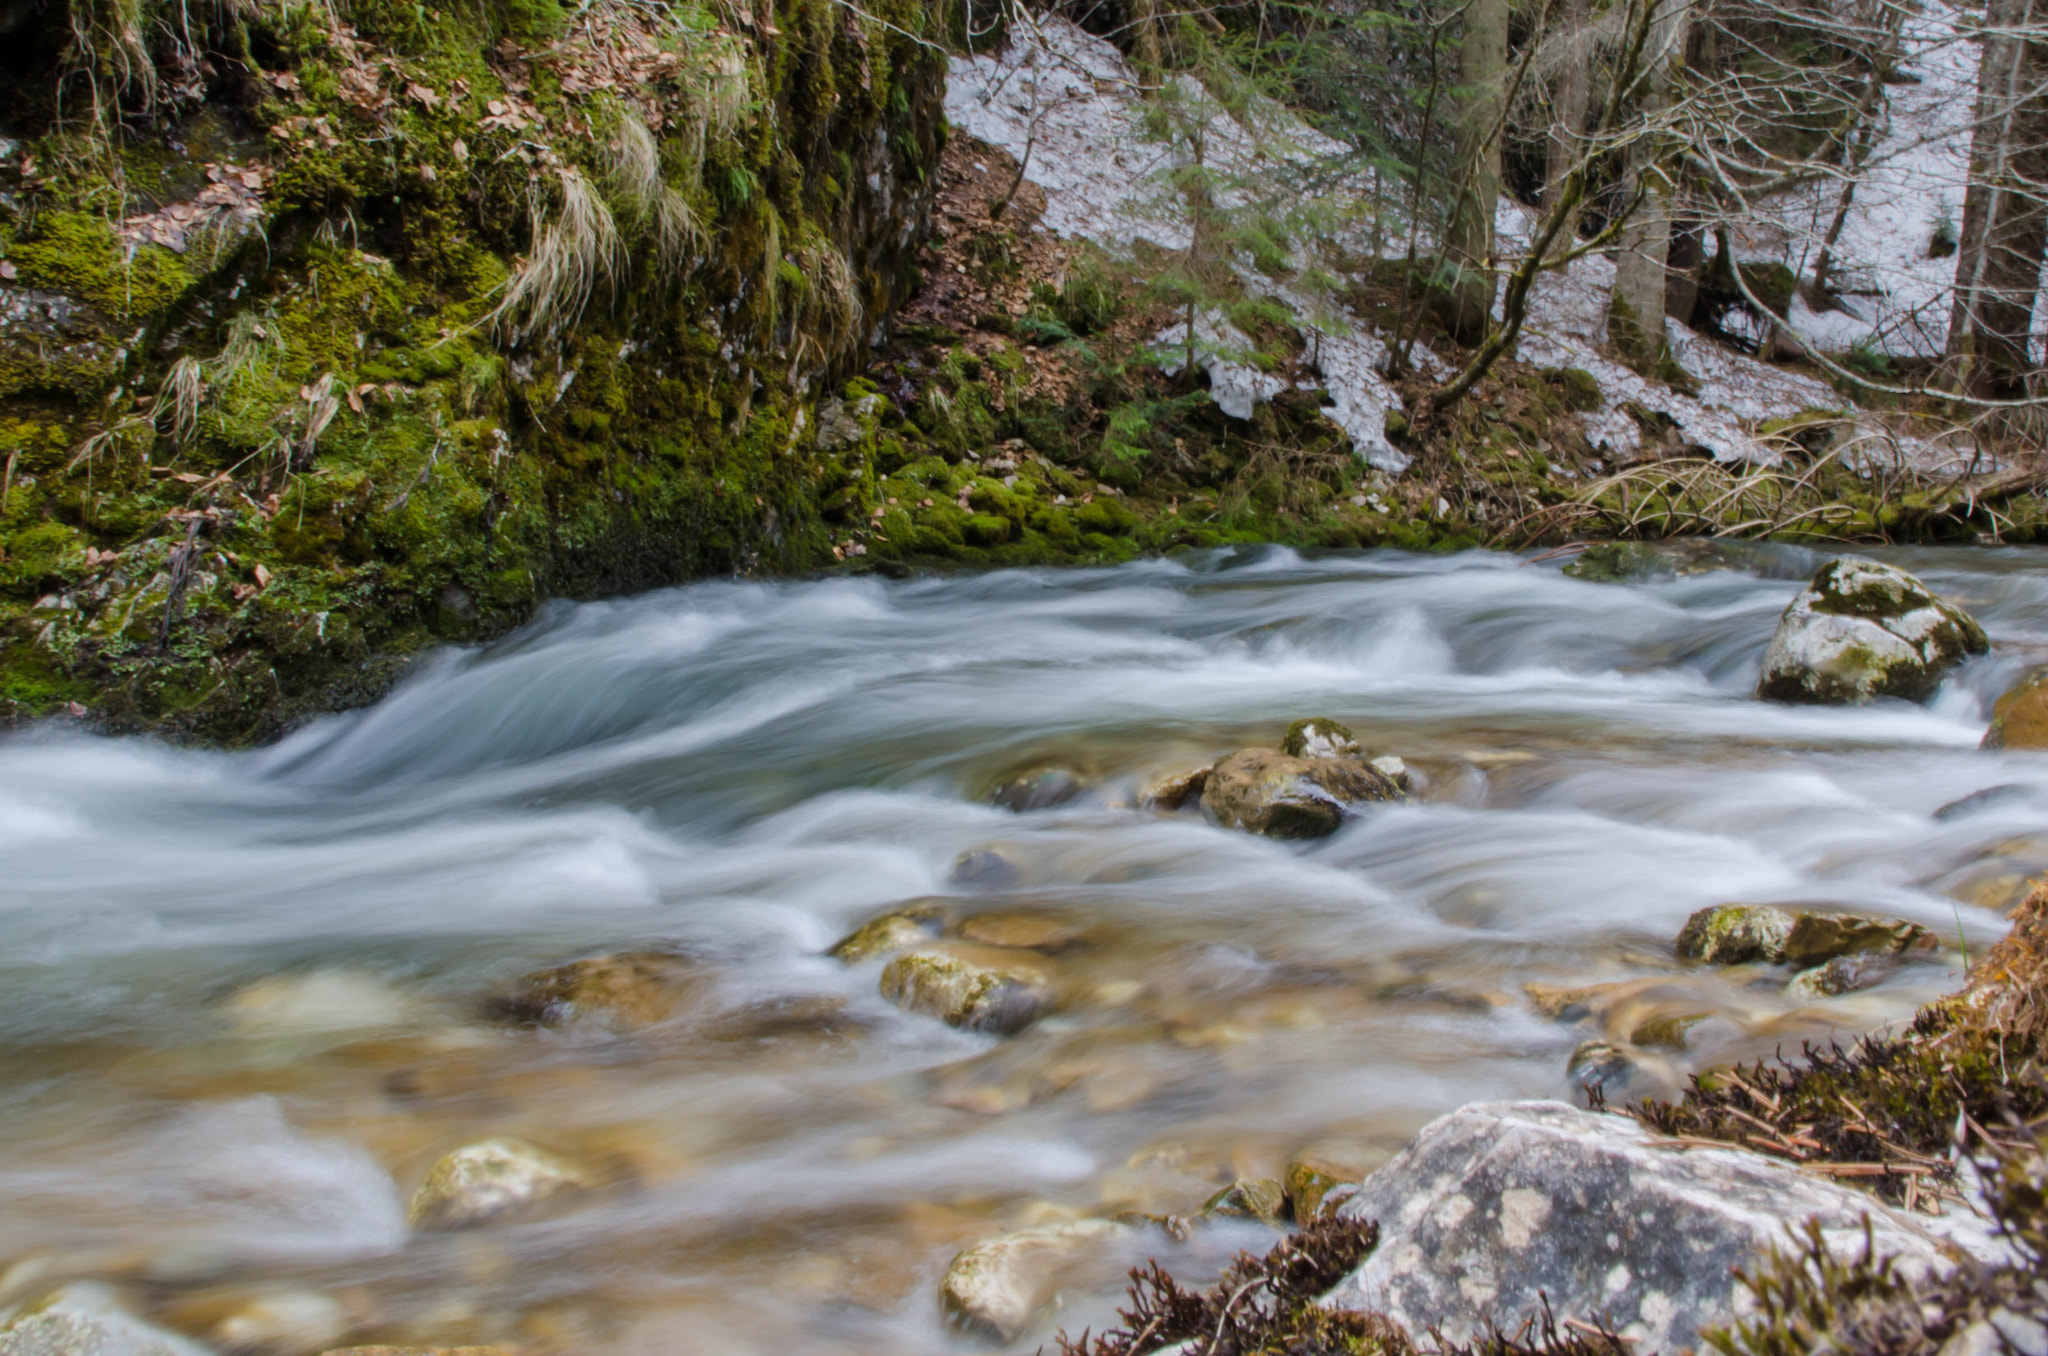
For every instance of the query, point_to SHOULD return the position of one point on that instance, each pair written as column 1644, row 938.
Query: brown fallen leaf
column 262, row 575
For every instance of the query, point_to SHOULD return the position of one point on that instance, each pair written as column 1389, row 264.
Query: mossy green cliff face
column 326, row 334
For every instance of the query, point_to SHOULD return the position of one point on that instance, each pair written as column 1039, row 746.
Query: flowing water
column 248, row 995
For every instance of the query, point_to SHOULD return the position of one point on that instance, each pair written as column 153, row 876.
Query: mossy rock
column 1319, row 737
column 1863, row 630
column 1621, row 562
column 976, row 988
column 2019, row 718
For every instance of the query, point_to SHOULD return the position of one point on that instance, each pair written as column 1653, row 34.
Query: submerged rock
column 2019, row 718
column 1843, row 974
column 286, row 1322
column 480, row 1182
column 1621, row 562
column 994, row 1288
column 625, row 991
column 1498, row 1207
column 1733, row 934
column 417, row 1351
column 1024, row 931
column 1039, row 789
column 978, row 988
column 86, row 1319
column 1282, row 796
column 893, row 931
column 1319, row 737
column 318, row 1001
column 1862, row 630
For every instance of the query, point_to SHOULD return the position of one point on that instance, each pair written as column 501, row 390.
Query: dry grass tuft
column 572, row 253
column 177, row 400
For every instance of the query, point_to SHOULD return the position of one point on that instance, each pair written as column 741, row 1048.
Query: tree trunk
column 1573, row 89
column 1464, row 300
column 1635, row 309
column 2005, row 220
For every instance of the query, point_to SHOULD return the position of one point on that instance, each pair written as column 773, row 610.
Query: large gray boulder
column 1863, row 630
column 1499, row 1205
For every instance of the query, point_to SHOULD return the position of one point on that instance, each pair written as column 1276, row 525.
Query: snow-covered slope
column 1066, row 104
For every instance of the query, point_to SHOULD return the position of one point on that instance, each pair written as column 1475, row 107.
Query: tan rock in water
column 1023, row 931
column 979, row 988
column 893, row 931
column 994, row 1288
column 283, row 1323
column 2019, row 718
column 1281, row 796
column 480, row 1182
column 625, row 991
column 417, row 1351
column 1261, row 1198
column 1171, row 791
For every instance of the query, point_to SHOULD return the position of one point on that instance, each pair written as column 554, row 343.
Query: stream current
column 248, row 994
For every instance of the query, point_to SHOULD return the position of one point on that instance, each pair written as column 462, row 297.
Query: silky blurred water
column 743, row 772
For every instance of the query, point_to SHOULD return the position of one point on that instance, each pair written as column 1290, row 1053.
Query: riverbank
column 292, row 414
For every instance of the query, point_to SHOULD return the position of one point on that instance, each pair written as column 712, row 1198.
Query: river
column 248, row 993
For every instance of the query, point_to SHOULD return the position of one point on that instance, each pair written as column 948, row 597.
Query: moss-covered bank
column 329, row 333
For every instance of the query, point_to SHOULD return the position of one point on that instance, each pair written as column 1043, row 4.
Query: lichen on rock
column 1863, row 630
column 1734, row 934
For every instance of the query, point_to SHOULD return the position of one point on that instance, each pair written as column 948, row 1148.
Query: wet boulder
column 1319, row 737
column 976, row 988
column 1737, row 934
column 1498, row 1207
column 996, row 1287
column 1282, row 796
column 623, row 991
column 417, row 1351
column 1171, row 791
column 1024, row 931
column 283, row 1323
column 87, row 1319
column 1863, row 630
column 893, row 931
column 491, row 1178
column 2019, row 718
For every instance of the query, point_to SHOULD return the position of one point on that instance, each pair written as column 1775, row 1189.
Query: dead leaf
column 424, row 94
column 461, row 149
column 427, row 174
column 8, row 271
column 263, row 575
column 355, row 400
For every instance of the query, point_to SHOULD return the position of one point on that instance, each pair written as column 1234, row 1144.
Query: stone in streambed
column 1023, row 931
column 977, row 988
column 1171, row 791
column 283, row 1323
column 893, row 931
column 1735, row 934
column 994, row 1288
column 494, row 1177
column 417, row 1351
column 1041, row 788
column 1843, row 974
column 624, row 991
column 1281, row 796
column 1862, row 630
column 1261, row 1198
column 86, row 1319
column 2019, row 718
column 1319, row 737
column 1498, row 1208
